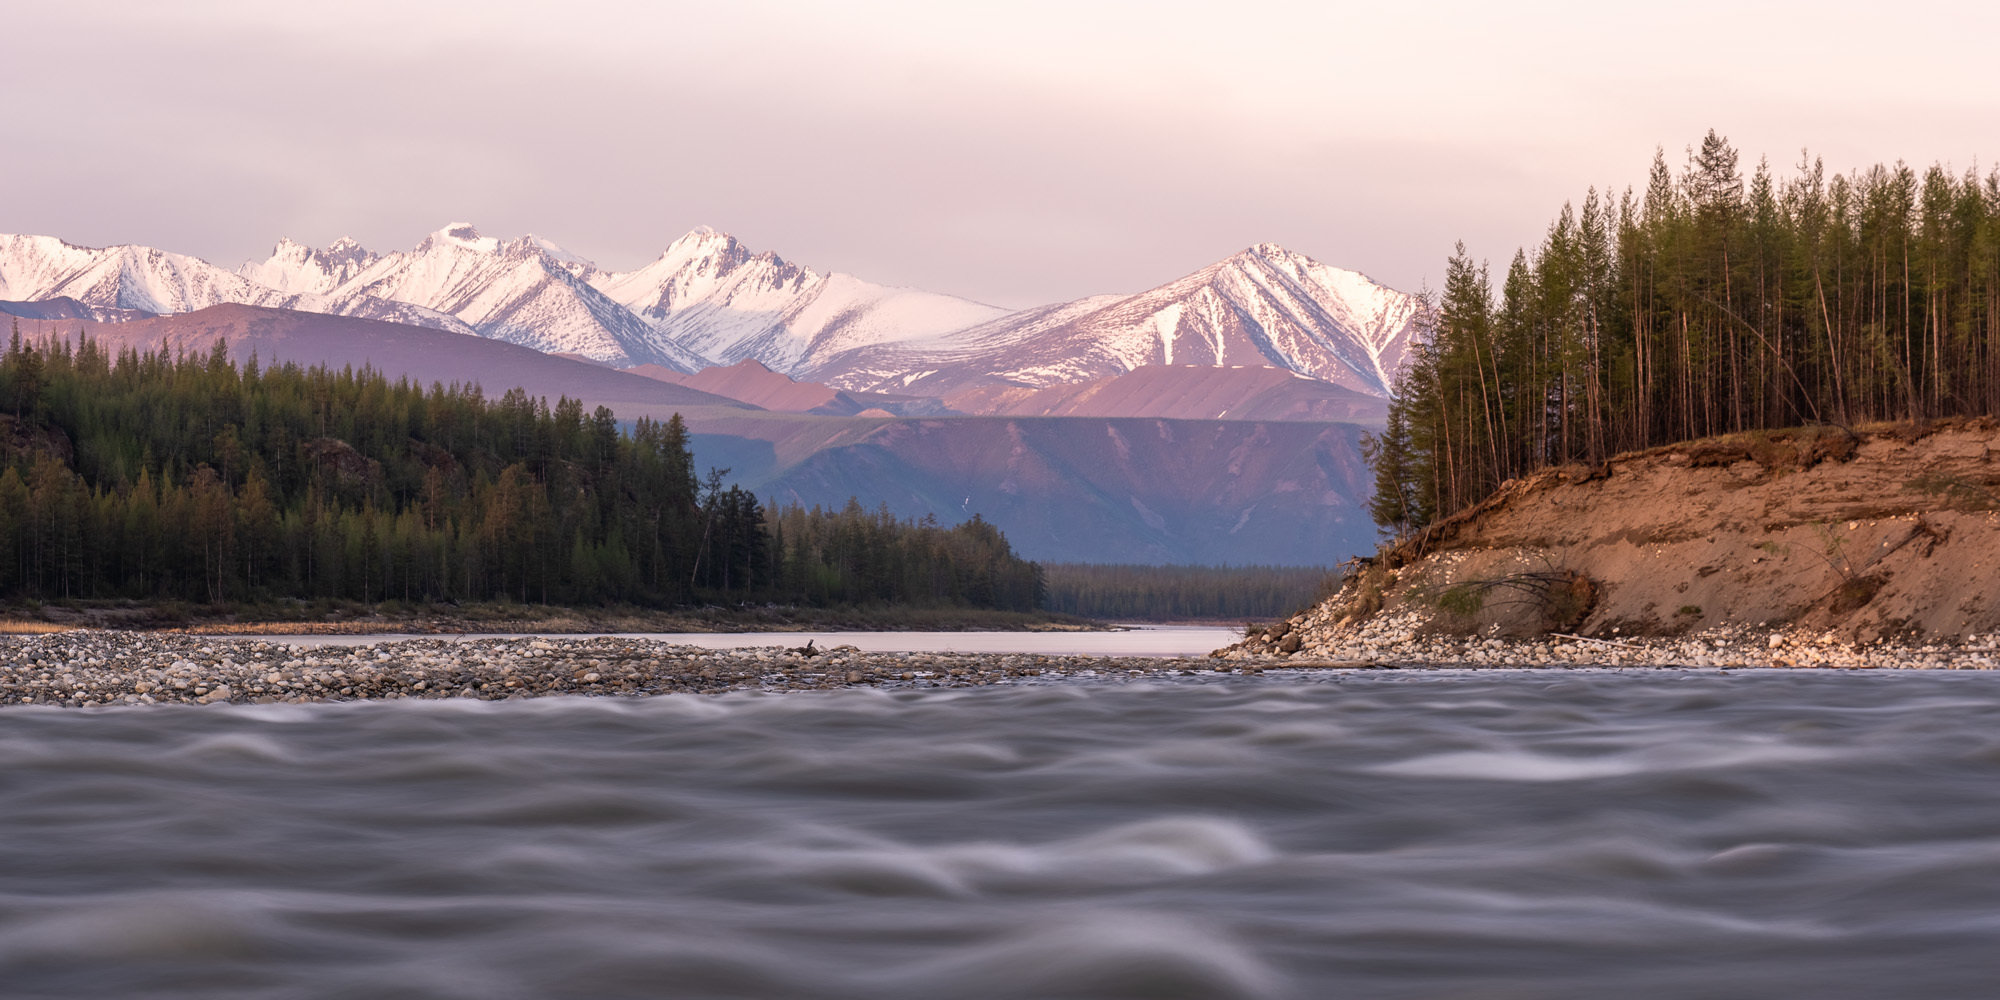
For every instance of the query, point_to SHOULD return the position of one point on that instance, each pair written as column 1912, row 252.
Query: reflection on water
column 1399, row 836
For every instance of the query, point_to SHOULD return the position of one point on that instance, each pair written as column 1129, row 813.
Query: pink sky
column 1016, row 153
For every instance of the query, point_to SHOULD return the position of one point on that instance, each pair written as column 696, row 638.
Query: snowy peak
column 1380, row 317
column 462, row 235
column 39, row 268
column 573, row 263
column 698, row 240
column 710, row 300
column 718, row 298
column 1264, row 306
column 119, row 277
column 712, row 254
column 526, row 291
column 295, row 267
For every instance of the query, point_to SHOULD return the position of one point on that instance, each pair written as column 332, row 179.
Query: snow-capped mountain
column 1266, row 306
column 717, row 298
column 526, row 291
column 147, row 280
column 709, row 300
column 295, row 267
column 123, row 277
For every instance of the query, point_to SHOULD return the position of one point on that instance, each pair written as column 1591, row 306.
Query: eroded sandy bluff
column 1885, row 535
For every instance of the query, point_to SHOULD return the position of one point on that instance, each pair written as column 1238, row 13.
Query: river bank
column 87, row 669
column 1407, row 640
column 1808, row 547
column 90, row 668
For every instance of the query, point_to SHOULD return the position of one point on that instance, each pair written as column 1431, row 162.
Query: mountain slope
column 525, row 291
column 714, row 297
column 295, row 267
column 1063, row 487
column 1266, row 305
column 398, row 350
column 1182, row 392
column 154, row 281
column 64, row 307
column 709, row 300
column 1074, row 488
column 751, row 382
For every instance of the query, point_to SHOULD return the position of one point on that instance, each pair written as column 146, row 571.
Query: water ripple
column 1639, row 835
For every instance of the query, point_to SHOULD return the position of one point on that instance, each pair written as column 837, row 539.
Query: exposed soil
column 1891, row 535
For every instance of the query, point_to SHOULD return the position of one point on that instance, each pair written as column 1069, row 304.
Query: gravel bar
column 89, row 668
column 93, row 668
column 1404, row 640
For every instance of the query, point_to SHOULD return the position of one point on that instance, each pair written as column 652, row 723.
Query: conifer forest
column 1128, row 592
column 190, row 477
column 1713, row 301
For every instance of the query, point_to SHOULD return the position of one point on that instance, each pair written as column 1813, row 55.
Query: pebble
column 87, row 667
column 83, row 667
column 1403, row 640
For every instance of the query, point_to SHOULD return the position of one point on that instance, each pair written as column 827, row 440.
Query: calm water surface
column 1583, row 834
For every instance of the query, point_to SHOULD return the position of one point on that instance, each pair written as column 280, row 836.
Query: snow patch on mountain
column 518, row 291
column 121, row 277
column 709, row 300
column 713, row 296
column 157, row 282
column 295, row 267
column 1265, row 305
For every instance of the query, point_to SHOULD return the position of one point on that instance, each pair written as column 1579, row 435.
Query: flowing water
column 1418, row 835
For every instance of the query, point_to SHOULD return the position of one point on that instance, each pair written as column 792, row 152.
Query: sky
column 1015, row 153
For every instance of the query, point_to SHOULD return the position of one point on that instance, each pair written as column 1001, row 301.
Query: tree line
column 1121, row 592
column 149, row 475
column 1708, row 303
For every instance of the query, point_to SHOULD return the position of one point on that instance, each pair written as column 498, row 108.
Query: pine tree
column 1702, row 306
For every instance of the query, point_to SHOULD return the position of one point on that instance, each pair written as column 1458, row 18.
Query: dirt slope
column 1888, row 534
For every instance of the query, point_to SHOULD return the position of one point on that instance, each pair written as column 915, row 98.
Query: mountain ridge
column 396, row 350
column 709, row 300
column 1107, row 476
column 1265, row 304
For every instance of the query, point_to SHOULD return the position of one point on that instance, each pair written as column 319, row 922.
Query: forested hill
column 1708, row 303
column 1116, row 592
column 188, row 477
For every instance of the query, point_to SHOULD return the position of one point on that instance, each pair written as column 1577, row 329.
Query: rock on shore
column 85, row 668
column 1404, row 641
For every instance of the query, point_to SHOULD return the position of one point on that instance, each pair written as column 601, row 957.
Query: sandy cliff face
column 1892, row 533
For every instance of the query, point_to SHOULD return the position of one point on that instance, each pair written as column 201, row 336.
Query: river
column 1369, row 835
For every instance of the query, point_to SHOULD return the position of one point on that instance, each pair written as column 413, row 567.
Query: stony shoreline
column 86, row 669
column 1401, row 640
column 91, row 668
